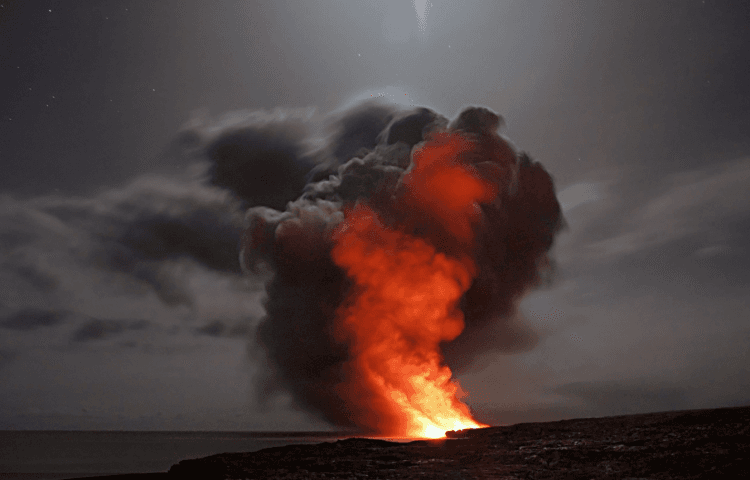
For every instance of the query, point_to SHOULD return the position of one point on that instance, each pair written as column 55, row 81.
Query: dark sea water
column 59, row 454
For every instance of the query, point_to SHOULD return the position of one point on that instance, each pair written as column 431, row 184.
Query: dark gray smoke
column 366, row 152
column 262, row 157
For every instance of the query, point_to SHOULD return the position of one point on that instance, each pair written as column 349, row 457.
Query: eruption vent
column 388, row 257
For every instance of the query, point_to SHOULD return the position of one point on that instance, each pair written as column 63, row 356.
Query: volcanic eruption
column 406, row 253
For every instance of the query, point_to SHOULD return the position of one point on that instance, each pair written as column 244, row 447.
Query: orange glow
column 446, row 187
column 404, row 300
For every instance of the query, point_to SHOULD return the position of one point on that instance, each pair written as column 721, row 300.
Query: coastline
column 690, row 444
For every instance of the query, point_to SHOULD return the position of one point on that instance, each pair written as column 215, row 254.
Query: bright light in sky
column 398, row 21
column 422, row 7
column 388, row 94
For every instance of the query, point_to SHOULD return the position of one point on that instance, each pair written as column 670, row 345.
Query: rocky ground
column 694, row 444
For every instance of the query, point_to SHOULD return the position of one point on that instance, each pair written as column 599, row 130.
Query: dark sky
column 638, row 109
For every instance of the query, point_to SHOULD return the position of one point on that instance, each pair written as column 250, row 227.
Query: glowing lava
column 404, row 302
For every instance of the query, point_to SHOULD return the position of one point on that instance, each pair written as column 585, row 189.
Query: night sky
column 122, row 302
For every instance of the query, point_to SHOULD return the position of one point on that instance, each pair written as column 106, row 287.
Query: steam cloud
column 364, row 157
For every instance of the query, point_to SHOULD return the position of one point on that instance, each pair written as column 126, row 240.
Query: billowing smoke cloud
column 262, row 157
column 98, row 268
column 365, row 159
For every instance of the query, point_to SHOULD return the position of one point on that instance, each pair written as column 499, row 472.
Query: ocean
column 41, row 455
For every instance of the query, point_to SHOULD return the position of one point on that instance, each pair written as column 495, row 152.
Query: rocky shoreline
column 695, row 444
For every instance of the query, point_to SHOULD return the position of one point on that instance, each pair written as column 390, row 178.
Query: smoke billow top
column 400, row 218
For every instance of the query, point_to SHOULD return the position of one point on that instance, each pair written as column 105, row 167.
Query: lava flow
column 404, row 302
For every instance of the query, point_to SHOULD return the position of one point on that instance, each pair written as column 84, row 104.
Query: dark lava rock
column 696, row 444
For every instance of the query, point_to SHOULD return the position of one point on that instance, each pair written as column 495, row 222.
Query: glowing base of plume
column 435, row 431
column 433, row 408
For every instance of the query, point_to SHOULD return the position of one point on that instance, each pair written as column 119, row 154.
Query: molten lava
column 405, row 296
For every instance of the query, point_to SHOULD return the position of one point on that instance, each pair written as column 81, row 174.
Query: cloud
column 6, row 357
column 699, row 202
column 262, row 157
column 151, row 218
column 96, row 329
column 165, row 249
column 613, row 397
column 348, row 133
column 31, row 319
column 578, row 194
column 213, row 329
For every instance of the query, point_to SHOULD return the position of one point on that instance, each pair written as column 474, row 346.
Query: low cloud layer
column 113, row 263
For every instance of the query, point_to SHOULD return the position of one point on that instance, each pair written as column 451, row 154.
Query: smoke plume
column 369, row 168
